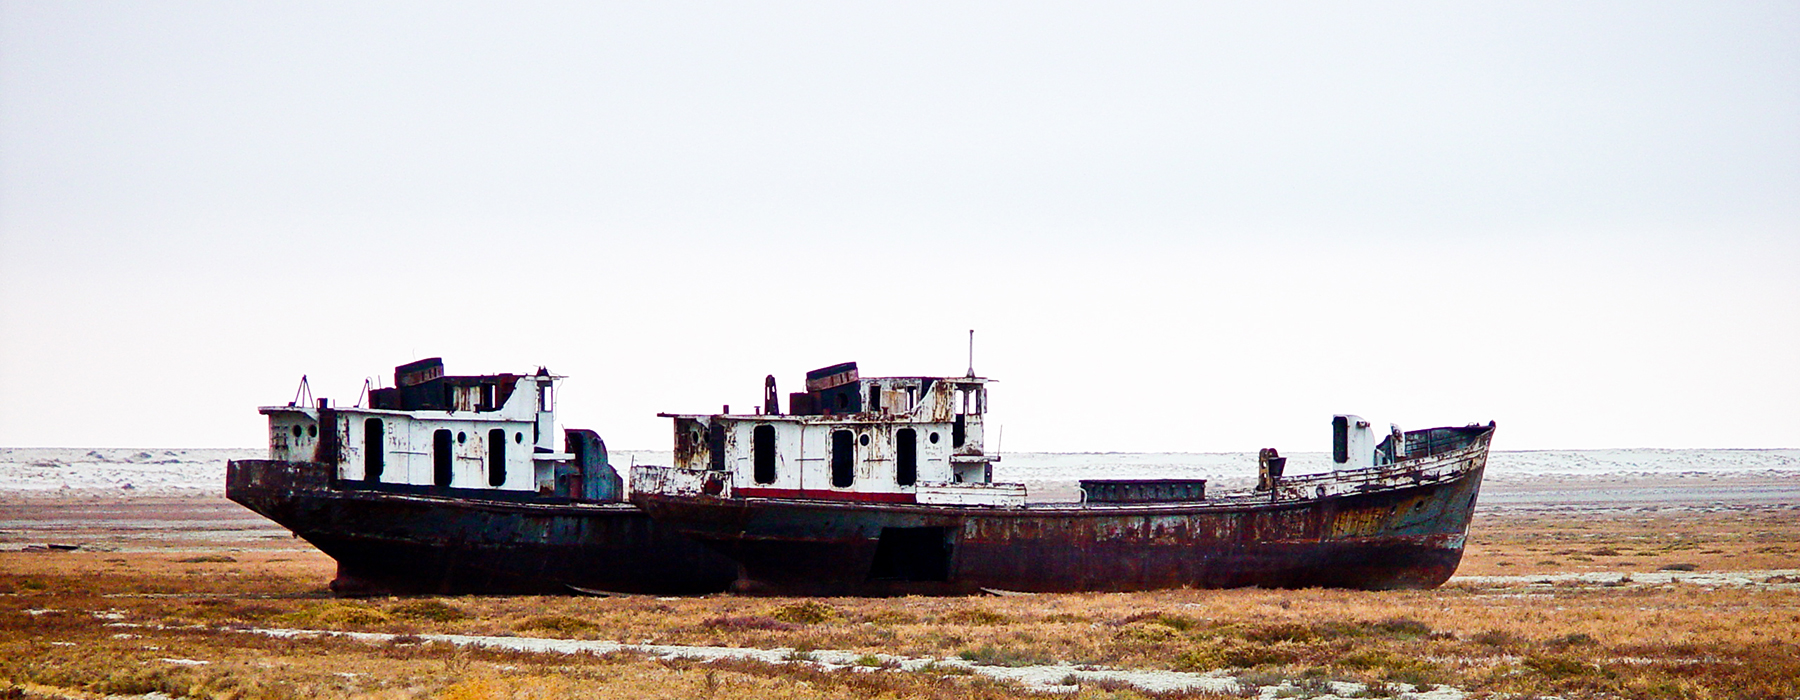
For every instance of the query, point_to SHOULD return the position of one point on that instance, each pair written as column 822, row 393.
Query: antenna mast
column 303, row 396
column 971, row 352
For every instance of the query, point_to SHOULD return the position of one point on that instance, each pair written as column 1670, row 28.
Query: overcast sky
column 1175, row 226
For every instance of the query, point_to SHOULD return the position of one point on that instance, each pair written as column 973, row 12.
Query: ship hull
column 416, row 543
column 1396, row 532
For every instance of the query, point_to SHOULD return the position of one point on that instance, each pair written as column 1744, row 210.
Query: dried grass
column 58, row 617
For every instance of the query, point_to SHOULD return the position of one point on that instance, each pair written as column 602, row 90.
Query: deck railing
column 1417, row 470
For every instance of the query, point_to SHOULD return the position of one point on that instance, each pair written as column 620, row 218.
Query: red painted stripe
column 826, row 495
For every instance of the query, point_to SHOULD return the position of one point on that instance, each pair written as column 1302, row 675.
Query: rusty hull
column 395, row 543
column 1396, row 527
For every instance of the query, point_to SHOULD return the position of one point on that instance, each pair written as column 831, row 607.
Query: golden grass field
column 172, row 619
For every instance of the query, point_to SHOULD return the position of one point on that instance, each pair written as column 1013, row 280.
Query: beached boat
column 882, row 486
column 454, row 484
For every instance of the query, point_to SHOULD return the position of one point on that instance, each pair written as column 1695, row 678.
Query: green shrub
column 976, row 616
column 1578, row 639
column 335, row 614
column 806, row 612
column 1202, row 659
column 1172, row 621
column 1146, row 632
column 560, row 624
column 208, row 559
column 1234, row 655
column 143, row 681
column 873, row 661
column 1497, row 638
column 1561, row 667
column 990, row 655
column 1288, row 632
column 1403, row 627
column 889, row 617
column 432, row 610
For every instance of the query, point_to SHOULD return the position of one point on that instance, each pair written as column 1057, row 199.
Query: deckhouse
column 485, row 435
column 855, row 438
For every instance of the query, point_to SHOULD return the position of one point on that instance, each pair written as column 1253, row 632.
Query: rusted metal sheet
column 1403, row 536
column 829, row 516
column 455, row 543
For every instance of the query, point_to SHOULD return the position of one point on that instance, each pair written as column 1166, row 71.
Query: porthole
column 296, row 431
column 461, row 437
column 312, row 431
column 519, row 438
column 864, row 440
column 934, row 438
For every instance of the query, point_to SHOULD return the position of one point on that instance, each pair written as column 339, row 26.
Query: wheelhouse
column 847, row 437
column 489, row 434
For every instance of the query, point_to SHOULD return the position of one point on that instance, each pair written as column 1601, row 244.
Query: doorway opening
column 441, row 459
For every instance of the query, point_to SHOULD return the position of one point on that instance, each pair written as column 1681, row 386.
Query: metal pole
column 971, row 352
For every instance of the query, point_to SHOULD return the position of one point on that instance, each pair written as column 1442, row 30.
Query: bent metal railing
column 677, row 481
column 1411, row 471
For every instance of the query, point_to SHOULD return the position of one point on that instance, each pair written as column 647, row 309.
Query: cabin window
column 906, row 457
column 296, row 431
column 546, row 399
column 934, row 437
column 496, row 457
column 843, row 465
column 487, row 397
column 1340, row 439
column 874, row 398
column 863, row 440
column 312, row 431
column 518, row 438
column 960, row 431
column 461, row 437
column 715, row 446
column 441, row 458
column 374, row 452
column 763, row 445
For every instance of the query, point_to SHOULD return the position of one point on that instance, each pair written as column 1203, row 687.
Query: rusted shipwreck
column 454, row 484
column 882, row 486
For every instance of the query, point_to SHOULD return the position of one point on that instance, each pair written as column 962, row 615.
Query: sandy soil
column 139, row 524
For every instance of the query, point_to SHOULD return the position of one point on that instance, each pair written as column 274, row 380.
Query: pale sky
column 1175, row 226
